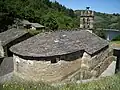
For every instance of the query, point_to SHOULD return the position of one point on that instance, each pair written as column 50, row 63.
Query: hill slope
column 51, row 14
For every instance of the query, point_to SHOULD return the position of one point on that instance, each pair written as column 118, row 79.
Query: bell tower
column 87, row 19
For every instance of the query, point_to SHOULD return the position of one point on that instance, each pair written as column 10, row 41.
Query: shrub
column 116, row 38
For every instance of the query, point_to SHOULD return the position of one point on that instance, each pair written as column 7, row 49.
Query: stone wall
column 45, row 70
column 84, row 67
column 92, row 67
column 1, row 50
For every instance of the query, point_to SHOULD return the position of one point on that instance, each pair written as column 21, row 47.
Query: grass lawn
column 115, row 43
column 107, row 83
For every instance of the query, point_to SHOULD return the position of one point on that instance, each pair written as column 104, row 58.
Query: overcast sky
column 107, row 6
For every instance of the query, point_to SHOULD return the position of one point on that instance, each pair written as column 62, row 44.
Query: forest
column 50, row 14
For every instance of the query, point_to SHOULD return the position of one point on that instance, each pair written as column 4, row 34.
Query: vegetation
column 6, row 20
column 99, row 32
column 116, row 42
column 51, row 14
column 26, row 86
column 107, row 21
column 107, row 83
column 116, row 38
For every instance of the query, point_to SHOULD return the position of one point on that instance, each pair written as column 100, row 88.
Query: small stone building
column 86, row 19
column 33, row 26
column 61, row 56
column 37, row 26
column 26, row 24
column 10, row 38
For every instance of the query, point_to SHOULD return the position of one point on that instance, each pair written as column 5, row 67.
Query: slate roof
column 26, row 22
column 59, row 43
column 6, row 66
column 10, row 35
column 37, row 25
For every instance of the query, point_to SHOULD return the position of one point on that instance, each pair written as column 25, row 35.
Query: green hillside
column 50, row 14
column 103, row 20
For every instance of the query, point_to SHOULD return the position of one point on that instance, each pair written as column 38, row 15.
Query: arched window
column 83, row 20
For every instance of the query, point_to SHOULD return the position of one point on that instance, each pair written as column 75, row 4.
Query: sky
column 105, row 6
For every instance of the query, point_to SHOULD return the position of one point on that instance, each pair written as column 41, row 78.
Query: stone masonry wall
column 45, row 70
column 93, row 66
column 81, row 68
column 98, row 63
column 1, row 50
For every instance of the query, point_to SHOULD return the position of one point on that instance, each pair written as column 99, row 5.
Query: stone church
column 61, row 56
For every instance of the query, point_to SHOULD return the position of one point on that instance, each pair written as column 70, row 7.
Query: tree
column 49, row 21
